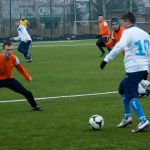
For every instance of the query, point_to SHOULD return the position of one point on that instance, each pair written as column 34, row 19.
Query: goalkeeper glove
column 103, row 64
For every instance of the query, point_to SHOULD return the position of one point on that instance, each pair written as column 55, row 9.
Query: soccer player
column 24, row 22
column 7, row 62
column 103, row 34
column 25, row 41
column 116, row 35
column 136, row 61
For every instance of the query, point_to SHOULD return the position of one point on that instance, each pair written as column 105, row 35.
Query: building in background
column 56, row 17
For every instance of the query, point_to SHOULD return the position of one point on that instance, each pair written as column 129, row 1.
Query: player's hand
column 30, row 80
column 103, row 64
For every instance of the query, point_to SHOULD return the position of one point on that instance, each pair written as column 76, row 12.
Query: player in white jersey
column 25, row 41
column 144, row 85
column 136, row 44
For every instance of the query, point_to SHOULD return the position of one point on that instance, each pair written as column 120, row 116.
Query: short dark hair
column 7, row 42
column 129, row 16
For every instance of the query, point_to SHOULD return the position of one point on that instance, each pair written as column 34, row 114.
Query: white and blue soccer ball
column 96, row 122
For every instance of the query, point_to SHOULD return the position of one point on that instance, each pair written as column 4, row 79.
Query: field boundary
column 59, row 97
column 63, row 45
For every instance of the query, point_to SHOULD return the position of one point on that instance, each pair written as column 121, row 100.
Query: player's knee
column 27, row 92
column 129, row 98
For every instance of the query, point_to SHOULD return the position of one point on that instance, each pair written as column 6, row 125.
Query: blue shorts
column 24, row 47
column 129, row 85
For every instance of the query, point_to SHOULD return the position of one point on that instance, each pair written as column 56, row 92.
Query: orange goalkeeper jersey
column 104, row 29
column 115, row 37
column 6, row 67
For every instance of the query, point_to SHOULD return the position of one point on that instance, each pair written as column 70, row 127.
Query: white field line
column 65, row 41
column 59, row 97
column 63, row 45
column 66, row 45
column 55, row 45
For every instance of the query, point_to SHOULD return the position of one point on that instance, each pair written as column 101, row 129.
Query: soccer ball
column 96, row 122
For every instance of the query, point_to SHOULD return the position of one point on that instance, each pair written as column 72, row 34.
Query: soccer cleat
column 37, row 109
column 141, row 126
column 29, row 58
column 124, row 123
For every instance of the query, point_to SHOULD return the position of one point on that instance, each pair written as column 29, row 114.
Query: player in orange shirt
column 103, row 34
column 7, row 62
column 116, row 34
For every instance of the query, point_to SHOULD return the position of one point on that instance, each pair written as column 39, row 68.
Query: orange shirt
column 115, row 37
column 104, row 29
column 6, row 67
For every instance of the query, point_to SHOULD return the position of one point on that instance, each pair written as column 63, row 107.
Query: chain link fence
column 51, row 19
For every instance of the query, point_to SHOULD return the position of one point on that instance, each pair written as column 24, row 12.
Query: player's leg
column 127, row 114
column 100, row 48
column 24, row 49
column 106, row 40
column 131, row 92
column 21, row 48
column 16, row 86
column 29, row 55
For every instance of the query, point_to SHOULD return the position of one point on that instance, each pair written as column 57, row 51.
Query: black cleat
column 37, row 109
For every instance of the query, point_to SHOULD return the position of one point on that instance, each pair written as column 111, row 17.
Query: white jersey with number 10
column 136, row 43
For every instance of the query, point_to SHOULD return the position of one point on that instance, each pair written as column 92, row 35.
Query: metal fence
column 63, row 18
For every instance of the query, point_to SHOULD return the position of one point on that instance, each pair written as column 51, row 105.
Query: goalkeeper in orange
column 7, row 62
column 103, row 34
